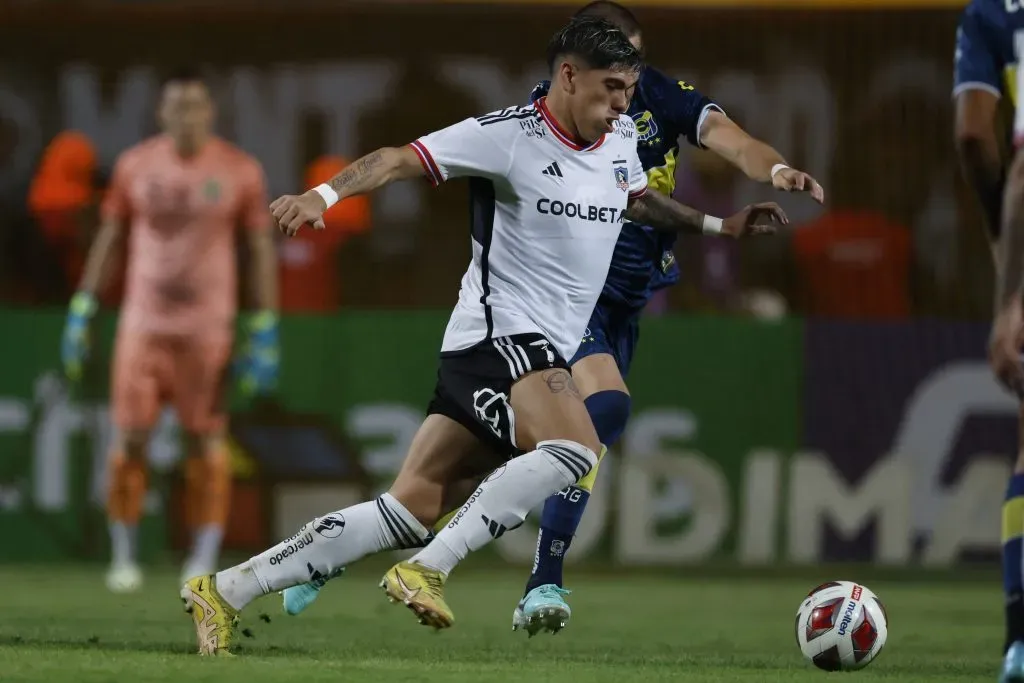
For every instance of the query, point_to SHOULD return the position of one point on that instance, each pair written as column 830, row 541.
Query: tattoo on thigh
column 559, row 381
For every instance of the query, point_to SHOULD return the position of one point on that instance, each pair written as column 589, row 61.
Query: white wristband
column 327, row 192
column 777, row 167
column 711, row 225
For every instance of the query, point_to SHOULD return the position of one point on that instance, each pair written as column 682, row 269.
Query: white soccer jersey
column 545, row 215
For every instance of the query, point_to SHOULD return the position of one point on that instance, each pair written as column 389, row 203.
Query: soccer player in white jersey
column 550, row 185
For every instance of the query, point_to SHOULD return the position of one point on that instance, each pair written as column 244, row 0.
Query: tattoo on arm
column 664, row 213
column 560, row 381
column 352, row 177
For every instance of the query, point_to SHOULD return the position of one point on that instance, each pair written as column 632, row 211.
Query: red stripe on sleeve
column 433, row 172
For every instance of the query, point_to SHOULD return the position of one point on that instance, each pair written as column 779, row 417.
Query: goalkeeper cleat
column 213, row 617
column 542, row 609
column 297, row 598
column 421, row 589
column 1013, row 664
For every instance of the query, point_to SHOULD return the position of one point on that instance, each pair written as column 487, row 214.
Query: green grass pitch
column 58, row 623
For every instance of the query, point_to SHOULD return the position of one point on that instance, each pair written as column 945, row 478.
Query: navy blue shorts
column 614, row 330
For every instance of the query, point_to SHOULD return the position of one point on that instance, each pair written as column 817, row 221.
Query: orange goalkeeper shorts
column 190, row 374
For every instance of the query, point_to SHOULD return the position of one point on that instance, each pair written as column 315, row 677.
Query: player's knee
column 573, row 458
column 132, row 445
column 609, row 411
column 588, row 481
column 204, row 444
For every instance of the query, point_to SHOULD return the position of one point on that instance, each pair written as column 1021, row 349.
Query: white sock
column 505, row 498
column 122, row 543
column 322, row 547
column 206, row 545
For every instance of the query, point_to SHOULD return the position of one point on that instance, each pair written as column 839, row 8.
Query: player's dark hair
column 596, row 41
column 613, row 12
column 187, row 73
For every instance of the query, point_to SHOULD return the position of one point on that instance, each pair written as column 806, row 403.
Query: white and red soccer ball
column 841, row 626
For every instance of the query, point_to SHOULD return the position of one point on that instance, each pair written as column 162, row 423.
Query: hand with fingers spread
column 791, row 180
column 756, row 219
column 291, row 212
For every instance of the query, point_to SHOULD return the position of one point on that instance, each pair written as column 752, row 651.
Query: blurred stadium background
column 814, row 406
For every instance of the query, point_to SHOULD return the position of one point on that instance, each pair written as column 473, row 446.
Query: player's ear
column 568, row 73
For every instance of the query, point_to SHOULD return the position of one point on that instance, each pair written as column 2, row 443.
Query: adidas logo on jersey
column 553, row 170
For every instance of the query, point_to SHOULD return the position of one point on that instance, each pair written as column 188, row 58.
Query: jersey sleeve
column 977, row 65
column 255, row 211
column 116, row 205
column 637, row 177
column 682, row 104
column 473, row 147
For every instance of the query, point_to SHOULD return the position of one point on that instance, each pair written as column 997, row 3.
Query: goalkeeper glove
column 74, row 343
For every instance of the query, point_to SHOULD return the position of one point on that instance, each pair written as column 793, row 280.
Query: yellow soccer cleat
column 421, row 589
column 213, row 617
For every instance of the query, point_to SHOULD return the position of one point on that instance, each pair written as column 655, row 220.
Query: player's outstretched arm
column 366, row 174
column 757, row 159
column 1004, row 345
column 664, row 213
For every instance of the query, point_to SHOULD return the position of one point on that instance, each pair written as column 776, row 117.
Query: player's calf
column 297, row 599
column 558, row 524
column 322, row 547
column 125, row 498
column 445, row 461
column 503, row 500
column 208, row 486
column 608, row 411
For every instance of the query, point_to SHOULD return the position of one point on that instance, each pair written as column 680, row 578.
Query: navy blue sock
column 563, row 511
column 558, row 523
column 1013, row 554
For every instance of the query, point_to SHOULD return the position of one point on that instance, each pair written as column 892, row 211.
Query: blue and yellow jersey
column 986, row 54
column 664, row 110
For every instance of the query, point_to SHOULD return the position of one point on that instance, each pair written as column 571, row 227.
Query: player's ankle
column 238, row 585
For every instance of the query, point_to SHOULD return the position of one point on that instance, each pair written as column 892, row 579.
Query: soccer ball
column 841, row 626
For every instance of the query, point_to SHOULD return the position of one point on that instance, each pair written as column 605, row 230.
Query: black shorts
column 474, row 385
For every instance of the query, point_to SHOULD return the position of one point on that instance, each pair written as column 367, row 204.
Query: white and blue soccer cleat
column 297, row 598
column 1013, row 664
column 542, row 609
